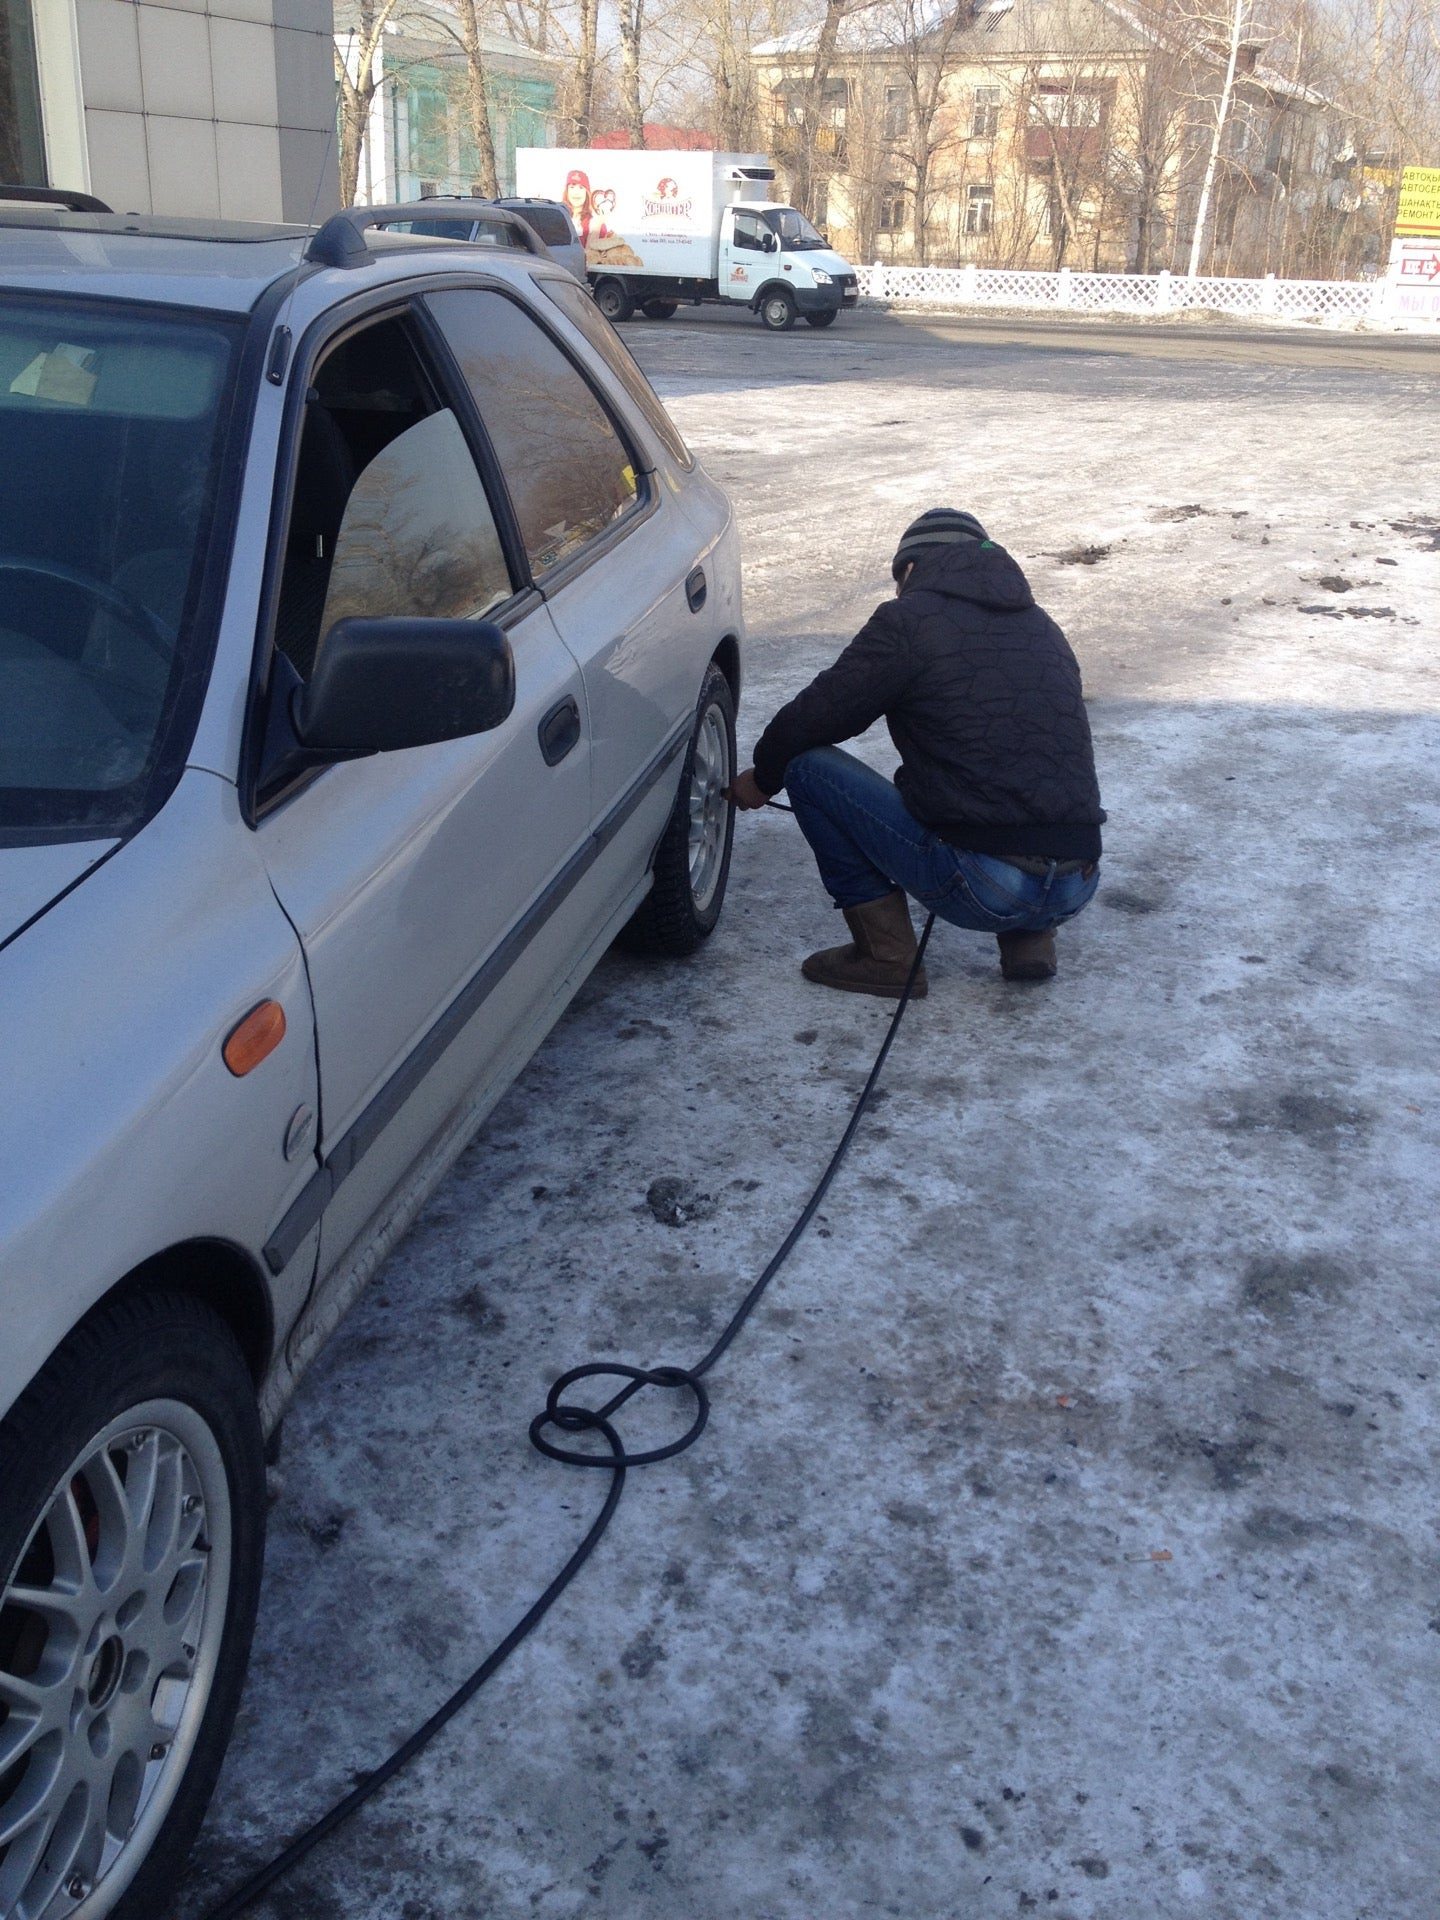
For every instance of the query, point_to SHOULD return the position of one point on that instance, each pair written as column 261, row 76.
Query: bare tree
column 804, row 174
column 631, row 15
column 1153, row 90
column 581, row 123
column 468, row 34
column 358, row 81
column 1238, row 17
column 920, row 48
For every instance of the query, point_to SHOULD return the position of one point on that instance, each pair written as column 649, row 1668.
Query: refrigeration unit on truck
column 660, row 229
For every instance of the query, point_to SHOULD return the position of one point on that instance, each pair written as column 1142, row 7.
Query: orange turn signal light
column 257, row 1036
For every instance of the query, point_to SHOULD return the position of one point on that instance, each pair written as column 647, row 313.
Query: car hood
column 829, row 262
column 33, row 878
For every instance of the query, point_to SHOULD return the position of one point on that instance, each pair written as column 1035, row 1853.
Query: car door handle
column 559, row 731
column 695, row 589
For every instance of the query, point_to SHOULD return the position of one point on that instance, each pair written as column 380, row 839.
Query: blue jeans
column 866, row 842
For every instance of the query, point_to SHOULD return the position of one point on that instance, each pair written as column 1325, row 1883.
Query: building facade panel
column 187, row 107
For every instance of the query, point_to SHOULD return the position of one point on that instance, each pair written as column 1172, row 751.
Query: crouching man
column 993, row 819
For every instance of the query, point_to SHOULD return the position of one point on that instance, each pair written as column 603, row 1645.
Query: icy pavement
column 1064, row 1539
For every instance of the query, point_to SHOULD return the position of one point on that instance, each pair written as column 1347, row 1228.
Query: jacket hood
column 972, row 570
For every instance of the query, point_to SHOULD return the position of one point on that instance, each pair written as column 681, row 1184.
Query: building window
column 985, row 113
column 1065, row 107
column 979, row 209
column 897, row 112
column 891, row 217
column 22, row 139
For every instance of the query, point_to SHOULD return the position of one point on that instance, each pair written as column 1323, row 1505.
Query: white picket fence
column 1341, row 302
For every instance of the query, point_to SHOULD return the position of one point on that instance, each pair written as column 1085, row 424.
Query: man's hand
column 744, row 793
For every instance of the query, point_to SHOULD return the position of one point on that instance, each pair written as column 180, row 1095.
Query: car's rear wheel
column 661, row 309
column 692, row 862
column 132, row 1514
column 777, row 311
column 612, row 297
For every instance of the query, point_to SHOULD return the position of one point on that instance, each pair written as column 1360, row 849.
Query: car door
column 406, row 873
column 745, row 240
column 611, row 554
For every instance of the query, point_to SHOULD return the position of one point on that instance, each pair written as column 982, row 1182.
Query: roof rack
column 341, row 241
column 65, row 197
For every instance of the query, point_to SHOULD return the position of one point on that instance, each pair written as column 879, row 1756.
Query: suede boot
column 1027, row 956
column 880, row 957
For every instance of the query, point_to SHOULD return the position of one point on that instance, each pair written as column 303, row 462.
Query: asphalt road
column 1220, row 341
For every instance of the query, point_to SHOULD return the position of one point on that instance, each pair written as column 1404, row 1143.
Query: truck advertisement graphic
column 636, row 212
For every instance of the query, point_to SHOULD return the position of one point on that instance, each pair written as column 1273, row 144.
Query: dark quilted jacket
column 981, row 694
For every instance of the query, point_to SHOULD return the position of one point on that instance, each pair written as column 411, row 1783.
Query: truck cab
column 774, row 260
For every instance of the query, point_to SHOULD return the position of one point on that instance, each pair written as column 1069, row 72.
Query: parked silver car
column 369, row 645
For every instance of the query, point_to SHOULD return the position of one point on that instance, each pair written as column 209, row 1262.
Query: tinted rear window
column 551, row 225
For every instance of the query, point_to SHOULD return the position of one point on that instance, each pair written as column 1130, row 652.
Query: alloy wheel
column 111, row 1626
column 710, row 774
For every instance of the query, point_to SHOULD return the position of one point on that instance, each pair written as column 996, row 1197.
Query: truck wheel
column 660, row 309
column 132, row 1527
column 825, row 319
column 777, row 311
column 692, row 861
column 612, row 297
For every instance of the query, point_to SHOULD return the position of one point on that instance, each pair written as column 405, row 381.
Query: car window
column 575, row 303
column 569, row 473
column 109, row 462
column 436, row 229
column 417, row 536
column 750, row 232
column 550, row 223
column 389, row 514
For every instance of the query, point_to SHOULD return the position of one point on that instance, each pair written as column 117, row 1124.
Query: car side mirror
column 770, row 243
column 379, row 685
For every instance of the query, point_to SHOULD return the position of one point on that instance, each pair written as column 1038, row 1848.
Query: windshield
column 795, row 231
column 108, row 456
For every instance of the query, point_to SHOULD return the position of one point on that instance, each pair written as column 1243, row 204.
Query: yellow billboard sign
column 1418, row 214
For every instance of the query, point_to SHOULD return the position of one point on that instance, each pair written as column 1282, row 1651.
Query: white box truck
column 660, row 229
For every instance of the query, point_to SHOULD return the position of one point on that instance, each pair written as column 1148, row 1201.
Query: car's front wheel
column 132, row 1515
column 692, row 861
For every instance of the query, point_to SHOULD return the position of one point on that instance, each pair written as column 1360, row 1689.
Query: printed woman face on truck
column 577, row 198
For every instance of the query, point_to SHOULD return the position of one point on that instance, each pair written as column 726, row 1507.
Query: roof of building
column 1036, row 30
column 660, row 140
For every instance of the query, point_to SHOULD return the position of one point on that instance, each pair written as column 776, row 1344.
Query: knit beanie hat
column 940, row 527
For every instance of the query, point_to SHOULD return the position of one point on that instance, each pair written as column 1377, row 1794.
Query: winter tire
column 132, row 1504
column 777, row 310
column 612, row 297
column 692, row 861
column 825, row 319
column 660, row 309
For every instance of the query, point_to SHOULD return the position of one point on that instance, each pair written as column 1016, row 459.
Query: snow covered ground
column 1064, row 1540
